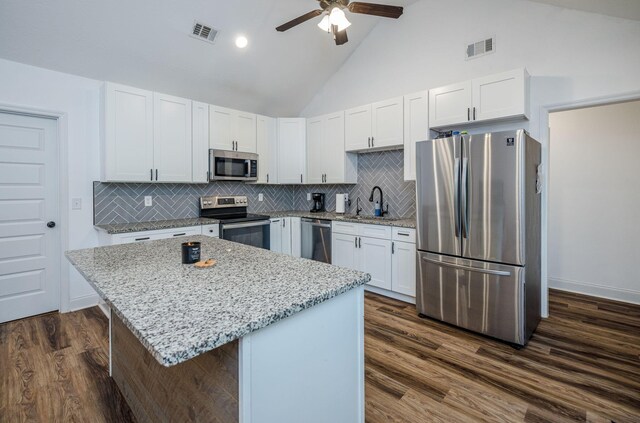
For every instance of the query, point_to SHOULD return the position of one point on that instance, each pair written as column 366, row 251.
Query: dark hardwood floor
column 582, row 364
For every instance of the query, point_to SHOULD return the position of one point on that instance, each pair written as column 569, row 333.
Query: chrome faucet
column 358, row 208
column 382, row 208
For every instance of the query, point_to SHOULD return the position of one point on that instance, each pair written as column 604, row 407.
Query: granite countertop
column 121, row 228
column 179, row 312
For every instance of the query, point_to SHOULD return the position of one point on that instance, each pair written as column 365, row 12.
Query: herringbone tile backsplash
column 124, row 203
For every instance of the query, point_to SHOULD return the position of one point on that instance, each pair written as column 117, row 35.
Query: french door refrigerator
column 478, row 230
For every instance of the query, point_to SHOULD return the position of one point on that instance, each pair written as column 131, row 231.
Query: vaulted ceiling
column 146, row 43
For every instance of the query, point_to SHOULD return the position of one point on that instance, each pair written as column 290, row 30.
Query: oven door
column 232, row 166
column 256, row 234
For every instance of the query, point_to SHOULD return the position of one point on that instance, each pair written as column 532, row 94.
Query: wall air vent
column 204, row 32
column 481, row 48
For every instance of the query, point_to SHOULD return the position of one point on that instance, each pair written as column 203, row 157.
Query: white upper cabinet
column 172, row 152
column 200, row 146
column 416, row 128
column 327, row 161
column 357, row 128
column 291, row 150
column 387, row 123
column 126, row 134
column 377, row 126
column 232, row 130
column 495, row 97
column 450, row 105
column 267, row 149
column 315, row 153
column 502, row 95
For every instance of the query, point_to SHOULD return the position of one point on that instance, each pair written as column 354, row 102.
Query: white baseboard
column 603, row 291
column 84, row 301
column 390, row 294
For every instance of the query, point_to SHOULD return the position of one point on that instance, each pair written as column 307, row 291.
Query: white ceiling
column 145, row 43
column 629, row 9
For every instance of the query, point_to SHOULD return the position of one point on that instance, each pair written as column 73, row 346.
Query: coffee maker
column 318, row 202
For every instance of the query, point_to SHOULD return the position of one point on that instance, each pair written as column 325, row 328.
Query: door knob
column 51, row 224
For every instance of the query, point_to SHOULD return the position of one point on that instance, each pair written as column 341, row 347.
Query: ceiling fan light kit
column 335, row 21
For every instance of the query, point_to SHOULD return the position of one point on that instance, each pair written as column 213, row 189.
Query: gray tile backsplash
column 124, row 203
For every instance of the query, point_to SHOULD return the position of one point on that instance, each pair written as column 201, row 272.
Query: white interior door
column 29, row 250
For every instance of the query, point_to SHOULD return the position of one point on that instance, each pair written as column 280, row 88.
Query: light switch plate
column 148, row 201
column 260, row 197
column 76, row 204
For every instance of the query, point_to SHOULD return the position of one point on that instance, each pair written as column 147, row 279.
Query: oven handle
column 245, row 225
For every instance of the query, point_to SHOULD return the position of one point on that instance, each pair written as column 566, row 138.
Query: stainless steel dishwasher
column 316, row 239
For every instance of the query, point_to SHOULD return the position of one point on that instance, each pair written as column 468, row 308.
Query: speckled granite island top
column 123, row 228
column 179, row 312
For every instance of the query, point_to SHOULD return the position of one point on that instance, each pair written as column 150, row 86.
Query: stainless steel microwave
column 232, row 166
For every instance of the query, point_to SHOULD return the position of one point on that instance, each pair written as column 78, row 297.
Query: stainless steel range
column 235, row 223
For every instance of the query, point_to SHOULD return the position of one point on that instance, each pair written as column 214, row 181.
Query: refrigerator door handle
column 456, row 195
column 469, row 268
column 465, row 197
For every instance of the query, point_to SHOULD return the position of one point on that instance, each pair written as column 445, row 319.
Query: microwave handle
column 247, row 168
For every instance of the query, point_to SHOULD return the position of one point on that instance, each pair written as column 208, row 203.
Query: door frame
column 63, row 189
column 545, row 139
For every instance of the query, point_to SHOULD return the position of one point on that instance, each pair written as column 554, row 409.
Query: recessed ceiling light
column 241, row 41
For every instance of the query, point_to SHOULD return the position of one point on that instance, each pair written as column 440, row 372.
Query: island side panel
column 308, row 367
column 204, row 388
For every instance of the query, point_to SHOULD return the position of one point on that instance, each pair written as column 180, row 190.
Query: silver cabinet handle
column 142, row 239
column 301, row 178
column 393, row 248
column 369, row 142
column 403, row 234
column 267, row 178
column 468, row 113
column 372, row 144
column 156, row 174
column 180, row 234
column 359, row 242
column 469, row 268
column 284, row 222
column 474, row 113
column 355, row 240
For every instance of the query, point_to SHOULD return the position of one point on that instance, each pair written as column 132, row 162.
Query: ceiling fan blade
column 340, row 36
column 299, row 20
column 383, row 10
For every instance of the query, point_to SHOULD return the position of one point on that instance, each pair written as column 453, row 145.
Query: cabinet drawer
column 375, row 231
column 404, row 235
column 153, row 235
column 345, row 228
column 211, row 230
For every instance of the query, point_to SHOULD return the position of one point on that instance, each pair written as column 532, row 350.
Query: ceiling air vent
column 481, row 48
column 204, row 32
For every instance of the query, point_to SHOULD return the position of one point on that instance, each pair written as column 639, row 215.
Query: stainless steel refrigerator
column 478, row 229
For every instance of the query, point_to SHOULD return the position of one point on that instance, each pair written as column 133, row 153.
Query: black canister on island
column 190, row 252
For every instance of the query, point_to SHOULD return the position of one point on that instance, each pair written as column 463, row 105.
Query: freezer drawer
column 483, row 297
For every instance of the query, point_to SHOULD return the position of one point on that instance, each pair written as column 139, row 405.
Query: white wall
column 31, row 87
column 594, row 201
column 572, row 56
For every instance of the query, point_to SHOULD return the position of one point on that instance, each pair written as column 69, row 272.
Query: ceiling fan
column 335, row 21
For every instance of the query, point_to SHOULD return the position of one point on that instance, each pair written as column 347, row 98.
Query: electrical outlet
column 346, row 197
column 76, row 204
column 308, row 196
column 261, row 197
column 148, row 201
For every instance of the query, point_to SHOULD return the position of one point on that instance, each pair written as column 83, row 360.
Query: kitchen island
column 260, row 337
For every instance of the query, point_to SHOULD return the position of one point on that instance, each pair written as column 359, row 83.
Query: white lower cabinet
column 280, row 238
column 131, row 237
column 211, row 230
column 296, row 236
column 387, row 254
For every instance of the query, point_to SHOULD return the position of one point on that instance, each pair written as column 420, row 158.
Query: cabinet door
column 127, row 134
column 296, row 236
column 267, row 149
column 286, row 235
column 245, row 132
column 416, row 126
column 339, row 167
column 172, row 151
column 357, row 128
column 450, row 105
column 291, row 150
column 200, row 142
column 316, row 151
column 387, row 123
column 374, row 257
column 275, row 239
column 403, row 268
column 221, row 128
column 343, row 251
column 501, row 95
